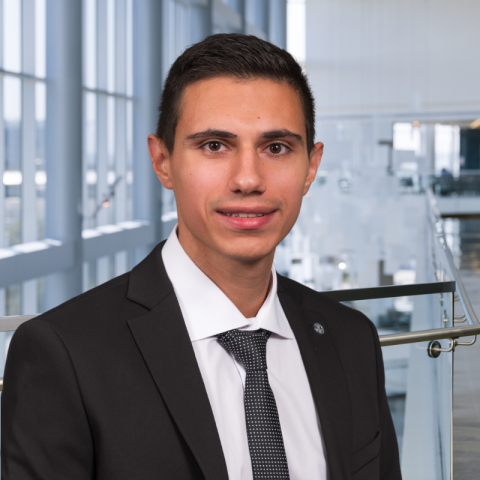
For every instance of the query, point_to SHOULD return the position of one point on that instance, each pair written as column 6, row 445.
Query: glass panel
column 40, row 38
column 40, row 165
column 129, row 168
column 12, row 35
column 12, row 176
column 419, row 388
column 5, row 338
column 419, row 391
column 111, row 45
column 129, row 49
column 90, row 179
column 296, row 29
column 111, row 163
column 462, row 184
column 90, row 43
column 41, row 308
column 13, row 295
column 407, row 314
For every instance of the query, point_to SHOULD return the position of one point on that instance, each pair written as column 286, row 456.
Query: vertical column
column 277, row 22
column 64, row 142
column 104, row 27
column 147, row 82
column 2, row 163
column 243, row 13
column 28, row 215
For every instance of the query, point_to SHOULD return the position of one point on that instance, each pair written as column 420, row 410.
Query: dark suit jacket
column 107, row 387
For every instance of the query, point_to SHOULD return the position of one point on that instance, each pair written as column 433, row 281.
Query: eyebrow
column 284, row 133
column 271, row 135
column 210, row 133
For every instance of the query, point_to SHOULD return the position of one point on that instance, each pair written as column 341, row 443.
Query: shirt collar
column 207, row 311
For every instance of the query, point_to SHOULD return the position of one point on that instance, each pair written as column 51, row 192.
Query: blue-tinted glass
column 12, row 176
column 12, row 58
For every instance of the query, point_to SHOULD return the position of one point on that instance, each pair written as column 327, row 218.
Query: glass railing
column 466, row 183
column 418, row 381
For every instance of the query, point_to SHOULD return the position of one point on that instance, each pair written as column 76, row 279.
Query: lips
column 244, row 215
column 246, row 218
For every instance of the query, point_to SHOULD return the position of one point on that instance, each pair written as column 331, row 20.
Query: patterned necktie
column 265, row 440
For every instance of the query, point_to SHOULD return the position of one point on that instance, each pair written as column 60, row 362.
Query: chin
column 246, row 251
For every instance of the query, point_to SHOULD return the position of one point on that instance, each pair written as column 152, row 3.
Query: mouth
column 244, row 215
column 241, row 218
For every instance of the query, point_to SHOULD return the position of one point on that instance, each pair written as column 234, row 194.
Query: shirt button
column 318, row 328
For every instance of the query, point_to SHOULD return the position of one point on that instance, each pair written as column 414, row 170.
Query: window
column 22, row 136
column 108, row 125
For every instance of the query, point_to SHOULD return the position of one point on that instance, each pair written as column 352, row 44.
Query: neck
column 246, row 284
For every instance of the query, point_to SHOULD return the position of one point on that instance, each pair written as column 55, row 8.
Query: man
column 202, row 362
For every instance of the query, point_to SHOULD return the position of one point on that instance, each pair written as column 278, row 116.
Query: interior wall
column 373, row 57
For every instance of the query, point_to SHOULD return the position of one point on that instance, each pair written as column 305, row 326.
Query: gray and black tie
column 265, row 440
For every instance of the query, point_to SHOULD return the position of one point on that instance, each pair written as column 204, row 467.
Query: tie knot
column 248, row 347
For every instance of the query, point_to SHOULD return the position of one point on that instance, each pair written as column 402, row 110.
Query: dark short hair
column 231, row 55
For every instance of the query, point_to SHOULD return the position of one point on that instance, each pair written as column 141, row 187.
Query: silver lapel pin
column 318, row 328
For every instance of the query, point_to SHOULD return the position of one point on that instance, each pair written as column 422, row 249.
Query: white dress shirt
column 207, row 312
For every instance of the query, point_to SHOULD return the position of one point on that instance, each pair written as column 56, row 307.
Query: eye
column 214, row 146
column 276, row 148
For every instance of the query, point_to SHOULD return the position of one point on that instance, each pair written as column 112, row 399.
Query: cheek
column 194, row 188
column 290, row 189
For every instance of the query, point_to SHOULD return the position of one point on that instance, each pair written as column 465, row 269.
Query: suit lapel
column 327, row 382
column 163, row 341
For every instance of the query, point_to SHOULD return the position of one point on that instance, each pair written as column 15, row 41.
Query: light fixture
column 111, row 177
column 12, row 177
column 40, row 178
column 475, row 123
column 342, row 265
column 91, row 177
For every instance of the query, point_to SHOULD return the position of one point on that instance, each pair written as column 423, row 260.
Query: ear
column 161, row 159
column 314, row 162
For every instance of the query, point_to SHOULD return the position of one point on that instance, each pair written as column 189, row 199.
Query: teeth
column 245, row 215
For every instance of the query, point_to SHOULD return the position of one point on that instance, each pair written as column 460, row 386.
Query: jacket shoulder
column 99, row 303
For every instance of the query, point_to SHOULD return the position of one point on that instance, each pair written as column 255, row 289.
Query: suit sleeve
column 389, row 455
column 45, row 431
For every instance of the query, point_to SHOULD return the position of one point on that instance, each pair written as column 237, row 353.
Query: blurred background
column 397, row 107
column 396, row 86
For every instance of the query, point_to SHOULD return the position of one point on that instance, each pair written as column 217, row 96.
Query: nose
column 246, row 174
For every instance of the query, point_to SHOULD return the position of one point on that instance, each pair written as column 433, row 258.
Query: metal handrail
column 428, row 335
column 390, row 291
column 385, row 340
column 9, row 324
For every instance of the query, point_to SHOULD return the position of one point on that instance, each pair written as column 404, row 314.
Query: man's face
column 239, row 167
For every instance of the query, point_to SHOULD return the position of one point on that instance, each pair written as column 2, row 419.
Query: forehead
column 228, row 101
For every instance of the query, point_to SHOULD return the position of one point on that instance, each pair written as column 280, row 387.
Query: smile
column 244, row 215
column 237, row 219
